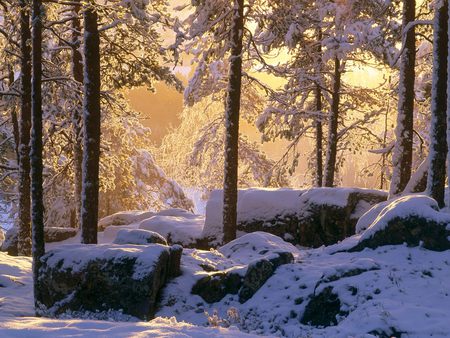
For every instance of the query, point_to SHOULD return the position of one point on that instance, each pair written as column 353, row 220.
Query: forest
column 299, row 190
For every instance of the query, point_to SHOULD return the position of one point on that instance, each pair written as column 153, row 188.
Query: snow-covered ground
column 383, row 291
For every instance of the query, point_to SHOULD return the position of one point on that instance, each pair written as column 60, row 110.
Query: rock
column 257, row 274
column 411, row 230
column 260, row 271
column 58, row 234
column 214, row 287
column 100, row 278
column 138, row 237
column 414, row 220
column 322, row 309
column 2, row 237
column 51, row 234
column 9, row 245
column 176, row 252
column 312, row 218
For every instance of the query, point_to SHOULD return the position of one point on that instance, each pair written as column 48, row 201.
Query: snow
column 252, row 246
column 124, row 218
column 77, row 256
column 179, row 227
column 401, row 207
column 136, row 237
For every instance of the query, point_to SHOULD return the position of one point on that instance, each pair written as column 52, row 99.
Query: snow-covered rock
column 414, row 220
column 176, row 225
column 138, row 237
column 123, row 218
column 9, row 245
column 77, row 278
column 311, row 217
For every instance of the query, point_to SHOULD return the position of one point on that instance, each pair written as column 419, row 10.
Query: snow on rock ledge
column 138, row 237
column 412, row 219
column 311, row 217
column 96, row 278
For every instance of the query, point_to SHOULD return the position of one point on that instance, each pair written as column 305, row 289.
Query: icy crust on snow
column 77, row 256
column 377, row 218
column 255, row 245
column 159, row 327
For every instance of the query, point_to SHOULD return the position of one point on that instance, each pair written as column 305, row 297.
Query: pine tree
column 36, row 145
column 91, row 131
column 438, row 146
column 24, row 234
column 403, row 151
column 232, row 109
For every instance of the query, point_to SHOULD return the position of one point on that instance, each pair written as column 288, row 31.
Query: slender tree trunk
column 24, row 235
column 403, row 151
column 318, row 122
column 14, row 121
column 319, row 138
column 91, row 132
column 77, row 69
column 36, row 146
column 232, row 108
column 438, row 133
column 330, row 168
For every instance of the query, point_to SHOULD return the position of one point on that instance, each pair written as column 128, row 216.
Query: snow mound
column 124, row 218
column 177, row 227
column 252, row 246
column 402, row 207
column 138, row 237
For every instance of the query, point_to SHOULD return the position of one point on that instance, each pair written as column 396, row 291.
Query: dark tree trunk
column 77, row 69
column 14, row 121
column 91, row 132
column 403, row 151
column 319, row 137
column 330, row 168
column 232, row 108
column 438, row 133
column 24, row 235
column 318, row 121
column 36, row 146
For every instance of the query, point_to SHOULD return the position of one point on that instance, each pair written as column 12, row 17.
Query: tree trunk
column 232, row 108
column 14, row 120
column 330, row 168
column 91, row 131
column 403, row 151
column 318, row 121
column 438, row 133
column 36, row 146
column 77, row 69
column 24, row 234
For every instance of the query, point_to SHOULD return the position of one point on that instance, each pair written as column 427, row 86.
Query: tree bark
column 91, row 130
column 14, row 121
column 330, row 168
column 24, row 234
column 318, row 121
column 232, row 108
column 77, row 70
column 438, row 133
column 36, row 147
column 403, row 151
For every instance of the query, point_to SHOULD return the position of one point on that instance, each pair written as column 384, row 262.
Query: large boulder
column 99, row 278
column 414, row 220
column 314, row 217
column 244, row 282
